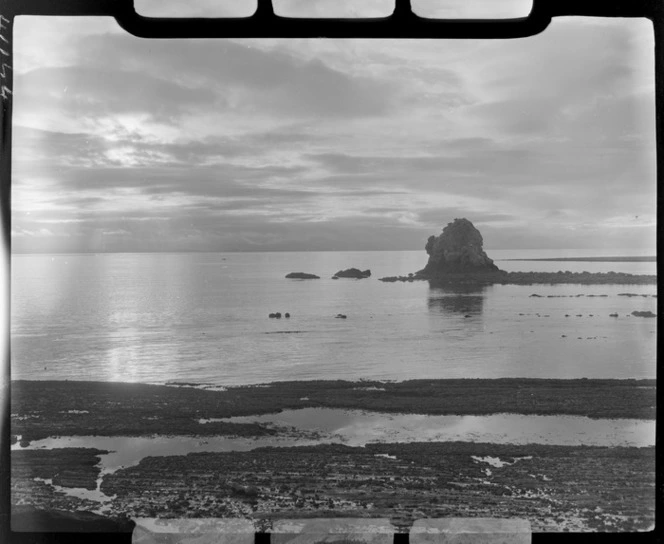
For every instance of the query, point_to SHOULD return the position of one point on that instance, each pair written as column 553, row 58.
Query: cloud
column 332, row 144
column 247, row 77
column 98, row 92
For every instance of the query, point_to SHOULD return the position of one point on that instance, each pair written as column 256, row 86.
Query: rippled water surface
column 204, row 318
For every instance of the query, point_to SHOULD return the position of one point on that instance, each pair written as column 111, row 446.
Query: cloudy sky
column 126, row 144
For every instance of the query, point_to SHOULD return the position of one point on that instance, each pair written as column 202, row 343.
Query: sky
column 127, row 144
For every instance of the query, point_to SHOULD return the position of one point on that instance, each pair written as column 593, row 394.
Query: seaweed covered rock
column 458, row 250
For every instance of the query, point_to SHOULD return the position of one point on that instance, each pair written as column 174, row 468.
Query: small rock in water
column 278, row 315
column 302, row 276
column 613, row 315
column 286, row 314
column 340, row 316
column 272, row 315
column 647, row 313
column 352, row 273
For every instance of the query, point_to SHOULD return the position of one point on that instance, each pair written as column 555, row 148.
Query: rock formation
column 456, row 257
column 458, row 250
column 302, row 276
column 647, row 313
column 352, row 273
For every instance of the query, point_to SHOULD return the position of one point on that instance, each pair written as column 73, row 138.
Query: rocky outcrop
column 458, row 250
column 302, row 276
column 456, row 258
column 352, row 273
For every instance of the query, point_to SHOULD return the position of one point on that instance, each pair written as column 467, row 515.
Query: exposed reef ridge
column 457, row 257
column 530, row 278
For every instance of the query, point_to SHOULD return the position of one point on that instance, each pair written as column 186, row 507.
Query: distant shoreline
column 650, row 259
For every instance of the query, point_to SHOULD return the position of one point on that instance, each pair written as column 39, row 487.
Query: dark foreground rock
column 352, row 273
column 70, row 467
column 302, row 276
column 579, row 488
column 27, row 518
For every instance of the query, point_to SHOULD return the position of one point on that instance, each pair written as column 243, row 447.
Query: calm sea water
column 203, row 317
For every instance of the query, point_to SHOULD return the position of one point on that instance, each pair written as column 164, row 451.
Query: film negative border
column 403, row 23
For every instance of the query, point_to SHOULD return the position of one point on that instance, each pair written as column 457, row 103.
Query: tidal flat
column 557, row 488
column 273, row 464
column 41, row 409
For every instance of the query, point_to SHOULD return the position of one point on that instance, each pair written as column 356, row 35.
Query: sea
column 202, row 318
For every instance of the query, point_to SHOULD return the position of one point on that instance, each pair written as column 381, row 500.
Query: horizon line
column 12, row 252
